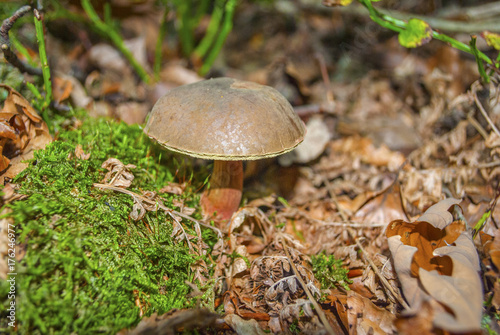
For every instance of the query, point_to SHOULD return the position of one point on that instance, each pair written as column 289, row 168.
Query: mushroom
column 229, row 121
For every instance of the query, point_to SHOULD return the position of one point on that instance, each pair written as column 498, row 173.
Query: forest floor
column 384, row 220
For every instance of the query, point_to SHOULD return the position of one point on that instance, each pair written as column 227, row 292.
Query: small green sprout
column 329, row 271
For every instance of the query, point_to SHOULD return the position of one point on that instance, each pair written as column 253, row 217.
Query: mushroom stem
column 224, row 194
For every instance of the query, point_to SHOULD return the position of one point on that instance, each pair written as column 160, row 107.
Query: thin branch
column 477, row 126
column 152, row 202
column 482, row 110
column 384, row 281
column 325, row 224
column 9, row 55
column 317, row 308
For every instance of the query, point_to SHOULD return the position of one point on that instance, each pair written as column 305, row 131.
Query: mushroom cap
column 225, row 119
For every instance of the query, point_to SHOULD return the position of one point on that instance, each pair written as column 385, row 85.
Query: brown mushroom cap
column 225, row 119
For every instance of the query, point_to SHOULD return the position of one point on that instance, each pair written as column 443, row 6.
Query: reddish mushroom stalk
column 224, row 193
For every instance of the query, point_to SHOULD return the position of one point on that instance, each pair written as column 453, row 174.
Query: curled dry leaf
column 79, row 153
column 173, row 188
column 118, row 174
column 140, row 207
column 363, row 149
column 491, row 246
column 21, row 131
column 62, row 89
column 436, row 261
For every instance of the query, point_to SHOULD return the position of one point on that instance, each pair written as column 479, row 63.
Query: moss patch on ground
column 89, row 268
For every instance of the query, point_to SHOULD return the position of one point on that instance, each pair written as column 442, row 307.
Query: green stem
column 460, row 46
column 115, row 37
column 159, row 44
column 107, row 14
column 397, row 25
column 383, row 20
column 202, row 48
column 185, row 25
column 485, row 78
column 227, row 26
column 21, row 49
column 45, row 65
column 34, row 90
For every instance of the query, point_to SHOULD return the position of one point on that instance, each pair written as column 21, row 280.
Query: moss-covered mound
column 88, row 267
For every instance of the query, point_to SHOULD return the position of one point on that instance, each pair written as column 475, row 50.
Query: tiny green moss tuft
column 329, row 271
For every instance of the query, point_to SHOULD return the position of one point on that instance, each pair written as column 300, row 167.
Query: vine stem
column 398, row 26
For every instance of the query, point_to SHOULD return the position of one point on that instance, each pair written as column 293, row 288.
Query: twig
column 478, row 126
column 482, row 110
column 325, row 77
column 318, row 309
column 182, row 229
column 487, row 165
column 9, row 55
column 325, row 224
column 151, row 202
column 477, row 12
column 384, row 281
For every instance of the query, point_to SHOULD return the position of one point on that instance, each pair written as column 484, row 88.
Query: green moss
column 86, row 261
column 329, row 271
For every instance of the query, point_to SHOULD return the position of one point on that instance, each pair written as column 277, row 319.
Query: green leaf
column 417, row 33
column 335, row 3
column 492, row 39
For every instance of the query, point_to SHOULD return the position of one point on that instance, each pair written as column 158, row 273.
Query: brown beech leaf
column 79, row 153
column 436, row 261
column 417, row 324
column 118, row 173
column 21, row 132
column 366, row 318
column 16, row 101
column 62, row 89
column 492, row 246
column 173, row 188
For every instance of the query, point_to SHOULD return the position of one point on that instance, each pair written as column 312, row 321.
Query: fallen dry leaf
column 62, row 89
column 366, row 318
column 492, row 248
column 79, row 153
column 22, row 130
column 173, row 188
column 364, row 149
column 436, row 261
column 417, row 323
column 118, row 173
